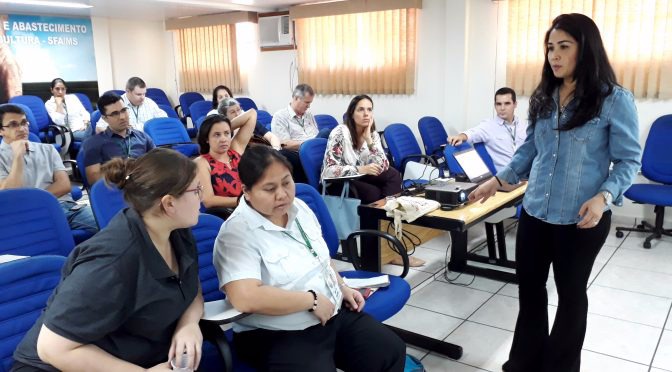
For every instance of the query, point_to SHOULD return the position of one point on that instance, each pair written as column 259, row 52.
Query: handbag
column 408, row 208
column 343, row 211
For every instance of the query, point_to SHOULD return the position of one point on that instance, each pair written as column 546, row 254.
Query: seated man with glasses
column 119, row 139
column 25, row 164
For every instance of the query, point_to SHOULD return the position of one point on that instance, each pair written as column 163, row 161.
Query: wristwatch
column 608, row 198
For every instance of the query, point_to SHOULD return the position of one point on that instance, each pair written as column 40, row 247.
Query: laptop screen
column 473, row 165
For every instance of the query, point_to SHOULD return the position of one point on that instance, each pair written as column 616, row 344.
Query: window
column 372, row 52
column 208, row 58
column 637, row 35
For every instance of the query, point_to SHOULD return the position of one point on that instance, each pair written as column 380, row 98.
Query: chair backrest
column 187, row 99
column 166, row 131
column 265, row 118
column 199, row 109
column 433, row 135
column 453, row 166
column 485, row 155
column 36, row 105
column 106, row 202
column 169, row 111
column 118, row 92
column 656, row 159
column 82, row 168
column 311, row 154
column 25, row 286
column 159, row 96
column 314, row 200
column 29, row 116
column 246, row 103
column 86, row 102
column 402, row 143
column 95, row 117
column 32, row 223
column 205, row 234
column 325, row 121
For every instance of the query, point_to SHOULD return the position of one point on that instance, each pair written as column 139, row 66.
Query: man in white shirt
column 140, row 108
column 501, row 135
column 294, row 124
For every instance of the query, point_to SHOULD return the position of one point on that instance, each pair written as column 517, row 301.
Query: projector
column 450, row 194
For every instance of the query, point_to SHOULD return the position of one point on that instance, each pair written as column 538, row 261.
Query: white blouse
column 249, row 246
column 342, row 159
column 74, row 114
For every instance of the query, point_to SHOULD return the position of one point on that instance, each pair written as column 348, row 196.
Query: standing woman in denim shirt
column 581, row 122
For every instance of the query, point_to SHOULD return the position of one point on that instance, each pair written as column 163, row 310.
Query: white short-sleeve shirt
column 249, row 246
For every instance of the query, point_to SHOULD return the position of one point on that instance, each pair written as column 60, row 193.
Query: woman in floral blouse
column 354, row 148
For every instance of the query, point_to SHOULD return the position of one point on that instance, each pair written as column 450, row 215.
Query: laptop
column 476, row 170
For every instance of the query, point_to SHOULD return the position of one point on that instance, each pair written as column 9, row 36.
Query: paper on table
column 373, row 282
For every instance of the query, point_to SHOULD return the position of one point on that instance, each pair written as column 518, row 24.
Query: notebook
column 475, row 169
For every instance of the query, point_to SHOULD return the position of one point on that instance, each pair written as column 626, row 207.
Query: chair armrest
column 214, row 334
column 396, row 245
column 221, row 312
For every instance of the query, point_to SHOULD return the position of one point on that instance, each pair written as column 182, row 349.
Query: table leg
column 458, row 250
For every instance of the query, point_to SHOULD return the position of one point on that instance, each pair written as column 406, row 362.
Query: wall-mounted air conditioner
column 275, row 31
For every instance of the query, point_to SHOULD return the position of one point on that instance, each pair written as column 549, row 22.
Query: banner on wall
column 41, row 48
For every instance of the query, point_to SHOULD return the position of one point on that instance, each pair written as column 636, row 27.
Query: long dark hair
column 214, row 95
column 595, row 79
column 206, row 127
column 350, row 121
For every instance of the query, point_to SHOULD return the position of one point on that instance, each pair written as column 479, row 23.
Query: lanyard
column 126, row 141
column 512, row 133
column 306, row 241
column 136, row 113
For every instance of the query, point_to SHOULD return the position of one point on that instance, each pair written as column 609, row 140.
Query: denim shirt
column 567, row 168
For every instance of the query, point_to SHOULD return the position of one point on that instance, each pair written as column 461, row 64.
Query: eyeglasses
column 115, row 114
column 198, row 191
column 16, row 125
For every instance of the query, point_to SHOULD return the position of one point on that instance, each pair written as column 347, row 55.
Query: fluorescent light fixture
column 212, row 4
column 56, row 4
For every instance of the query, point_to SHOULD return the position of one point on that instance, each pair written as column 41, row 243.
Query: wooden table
column 456, row 221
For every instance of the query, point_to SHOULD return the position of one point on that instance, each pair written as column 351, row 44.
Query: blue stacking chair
column 264, row 118
column 186, row 100
column 25, row 286
column 325, row 121
column 385, row 302
column 106, row 202
column 159, row 96
column 86, row 102
column 169, row 111
column 199, row 110
column 311, row 154
column 657, row 167
column 433, row 134
column 32, row 223
column 246, row 103
column 169, row 132
column 95, row 117
column 40, row 116
column 404, row 148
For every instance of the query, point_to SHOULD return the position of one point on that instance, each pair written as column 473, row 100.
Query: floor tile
column 424, row 322
column 668, row 325
column 499, row 311
column 657, row 260
column 413, row 277
column 472, row 281
column 434, row 260
column 629, row 306
column 511, row 290
column 439, row 363
column 658, row 370
column 635, row 240
column 416, row 351
column 595, row 271
column 663, row 358
column 440, row 243
column 595, row 362
column 449, row 299
column 605, row 253
column 621, row 339
column 484, row 347
column 656, row 284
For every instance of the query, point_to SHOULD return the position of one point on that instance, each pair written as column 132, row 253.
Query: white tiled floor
column 629, row 320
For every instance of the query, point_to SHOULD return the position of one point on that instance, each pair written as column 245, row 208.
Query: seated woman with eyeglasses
column 220, row 154
column 129, row 298
column 273, row 263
